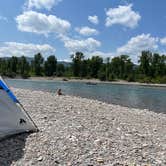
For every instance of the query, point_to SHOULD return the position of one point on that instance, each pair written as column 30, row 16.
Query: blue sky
column 61, row 27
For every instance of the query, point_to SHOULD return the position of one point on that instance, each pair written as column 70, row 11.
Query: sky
column 95, row 27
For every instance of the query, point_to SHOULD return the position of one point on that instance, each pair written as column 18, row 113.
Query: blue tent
column 13, row 117
column 8, row 91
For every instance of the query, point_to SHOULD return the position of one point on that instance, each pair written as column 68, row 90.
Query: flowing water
column 152, row 98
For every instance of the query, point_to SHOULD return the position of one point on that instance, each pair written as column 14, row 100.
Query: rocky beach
column 76, row 131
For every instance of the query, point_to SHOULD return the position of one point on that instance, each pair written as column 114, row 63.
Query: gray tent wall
column 13, row 118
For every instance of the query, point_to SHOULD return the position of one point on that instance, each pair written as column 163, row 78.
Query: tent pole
column 37, row 129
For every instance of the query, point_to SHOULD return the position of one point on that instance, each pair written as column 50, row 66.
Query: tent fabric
column 13, row 118
column 5, row 87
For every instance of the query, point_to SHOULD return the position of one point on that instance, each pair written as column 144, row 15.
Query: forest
column 151, row 67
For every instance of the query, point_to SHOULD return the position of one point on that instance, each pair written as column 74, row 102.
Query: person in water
column 59, row 92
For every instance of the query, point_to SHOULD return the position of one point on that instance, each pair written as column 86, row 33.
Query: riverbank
column 76, row 131
column 121, row 82
column 93, row 81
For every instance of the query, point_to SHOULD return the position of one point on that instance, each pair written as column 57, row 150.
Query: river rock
column 125, row 136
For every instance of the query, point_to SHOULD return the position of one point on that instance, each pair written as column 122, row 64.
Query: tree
column 95, row 64
column 38, row 64
column 77, row 60
column 3, row 66
column 50, row 66
column 115, row 67
column 107, row 68
column 102, row 73
column 13, row 62
column 60, row 70
column 24, row 67
column 163, row 65
column 145, row 63
column 121, row 67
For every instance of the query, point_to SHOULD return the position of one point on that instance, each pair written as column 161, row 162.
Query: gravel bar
column 75, row 131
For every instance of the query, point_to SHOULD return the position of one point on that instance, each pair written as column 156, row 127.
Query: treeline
column 151, row 67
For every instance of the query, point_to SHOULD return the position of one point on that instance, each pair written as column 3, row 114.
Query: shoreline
column 96, row 81
column 78, row 131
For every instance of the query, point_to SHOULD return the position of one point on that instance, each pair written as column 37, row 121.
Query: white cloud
column 74, row 45
column 65, row 60
column 39, row 4
column 93, row 19
column 138, row 44
column 8, row 49
column 39, row 23
column 163, row 41
column 123, row 15
column 86, row 31
column 103, row 54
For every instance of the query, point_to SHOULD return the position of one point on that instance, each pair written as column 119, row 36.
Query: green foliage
column 145, row 79
column 145, row 60
column 50, row 66
column 12, row 64
column 111, row 77
column 95, row 65
column 10, row 74
column 131, row 78
column 121, row 67
column 38, row 64
column 24, row 67
column 151, row 67
column 102, row 75
column 60, row 70
column 77, row 62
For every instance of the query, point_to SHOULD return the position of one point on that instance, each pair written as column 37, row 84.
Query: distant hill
column 66, row 64
column 29, row 59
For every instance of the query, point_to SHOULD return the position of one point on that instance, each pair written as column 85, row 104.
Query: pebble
column 40, row 158
column 80, row 132
column 98, row 142
column 100, row 160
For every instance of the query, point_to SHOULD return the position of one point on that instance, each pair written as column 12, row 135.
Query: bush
column 111, row 77
column 88, row 77
column 159, row 80
column 25, row 75
column 145, row 80
column 131, row 78
column 102, row 76
column 11, row 75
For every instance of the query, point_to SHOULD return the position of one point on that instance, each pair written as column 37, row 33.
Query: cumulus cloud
column 103, row 54
column 138, row 44
column 163, row 41
column 93, row 19
column 39, row 4
column 133, row 47
column 8, row 49
column 123, row 15
column 74, row 45
column 86, row 31
column 39, row 23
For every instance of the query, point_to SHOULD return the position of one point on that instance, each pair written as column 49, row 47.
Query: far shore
column 120, row 82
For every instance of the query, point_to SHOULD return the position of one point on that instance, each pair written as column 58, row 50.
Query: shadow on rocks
column 12, row 149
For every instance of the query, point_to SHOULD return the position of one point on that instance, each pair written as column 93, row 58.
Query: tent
column 13, row 117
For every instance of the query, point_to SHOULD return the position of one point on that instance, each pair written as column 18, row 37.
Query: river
column 143, row 97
